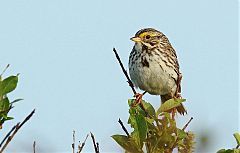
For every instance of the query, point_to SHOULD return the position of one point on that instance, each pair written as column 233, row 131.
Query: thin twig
column 96, row 145
column 124, row 71
column 185, row 126
column 237, row 146
column 123, row 127
column 73, row 144
column 81, row 145
column 128, row 79
column 34, row 147
column 18, row 126
column 8, row 134
column 4, row 70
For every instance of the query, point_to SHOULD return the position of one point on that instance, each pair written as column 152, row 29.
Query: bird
column 153, row 66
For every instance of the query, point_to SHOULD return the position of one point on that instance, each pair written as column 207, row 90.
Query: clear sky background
column 63, row 52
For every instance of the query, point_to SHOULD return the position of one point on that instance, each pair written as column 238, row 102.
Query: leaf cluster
column 7, row 85
column 234, row 150
column 155, row 131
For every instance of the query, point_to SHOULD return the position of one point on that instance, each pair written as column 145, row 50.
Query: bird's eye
column 148, row 36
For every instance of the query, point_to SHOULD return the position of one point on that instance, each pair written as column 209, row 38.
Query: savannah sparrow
column 153, row 65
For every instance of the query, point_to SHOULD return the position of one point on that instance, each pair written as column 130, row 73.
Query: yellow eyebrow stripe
column 142, row 35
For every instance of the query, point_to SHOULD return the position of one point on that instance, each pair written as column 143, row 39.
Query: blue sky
column 68, row 72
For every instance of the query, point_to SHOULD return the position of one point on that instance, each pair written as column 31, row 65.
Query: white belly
column 157, row 79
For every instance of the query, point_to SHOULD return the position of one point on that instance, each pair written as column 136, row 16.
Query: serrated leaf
column 8, row 85
column 169, row 104
column 127, row 143
column 237, row 137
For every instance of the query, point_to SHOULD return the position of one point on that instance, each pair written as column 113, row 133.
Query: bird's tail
column 181, row 109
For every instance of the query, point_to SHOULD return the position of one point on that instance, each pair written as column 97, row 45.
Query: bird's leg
column 174, row 112
column 178, row 83
column 177, row 94
column 138, row 99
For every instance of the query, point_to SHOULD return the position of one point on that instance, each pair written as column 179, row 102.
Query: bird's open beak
column 136, row 39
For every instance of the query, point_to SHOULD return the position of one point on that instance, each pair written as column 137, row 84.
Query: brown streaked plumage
column 153, row 65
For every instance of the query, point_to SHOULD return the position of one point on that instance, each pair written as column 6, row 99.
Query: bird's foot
column 177, row 96
column 138, row 99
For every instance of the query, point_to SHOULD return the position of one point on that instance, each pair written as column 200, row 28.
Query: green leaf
column 8, row 85
column 151, row 127
column 181, row 144
column 148, row 112
column 16, row 100
column 127, row 143
column 130, row 102
column 227, row 151
column 4, row 105
column 135, row 109
column 171, row 103
column 236, row 150
column 237, row 137
column 149, row 108
column 181, row 134
column 140, row 129
column 6, row 118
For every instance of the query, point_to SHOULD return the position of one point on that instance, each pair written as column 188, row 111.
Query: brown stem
column 34, row 147
column 73, row 144
column 124, row 71
column 96, row 145
column 185, row 126
column 237, row 146
column 4, row 70
column 123, row 127
column 81, row 145
column 9, row 133
column 18, row 126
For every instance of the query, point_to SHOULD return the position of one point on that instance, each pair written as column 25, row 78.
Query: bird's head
column 148, row 37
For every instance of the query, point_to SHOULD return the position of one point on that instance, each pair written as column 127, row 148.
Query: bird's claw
column 138, row 99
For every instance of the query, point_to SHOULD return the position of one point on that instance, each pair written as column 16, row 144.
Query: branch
column 96, row 145
column 34, row 147
column 9, row 133
column 4, row 70
column 73, row 144
column 185, row 126
column 123, row 127
column 81, row 145
column 237, row 146
column 15, row 130
column 124, row 71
